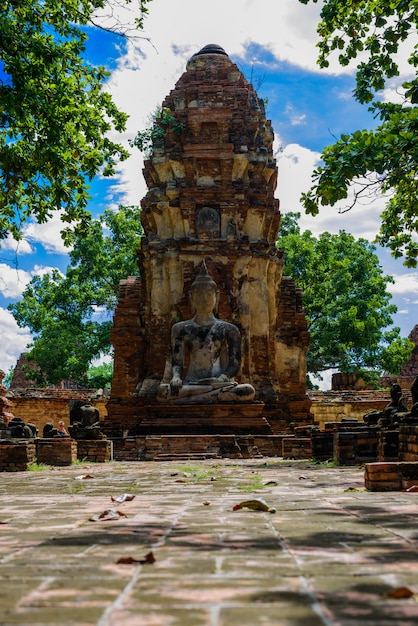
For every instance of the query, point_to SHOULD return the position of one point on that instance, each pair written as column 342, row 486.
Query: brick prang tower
column 211, row 179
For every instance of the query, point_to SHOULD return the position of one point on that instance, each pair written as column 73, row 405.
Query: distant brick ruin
column 21, row 376
column 409, row 370
column 211, row 181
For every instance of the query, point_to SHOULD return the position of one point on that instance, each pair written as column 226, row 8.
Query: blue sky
column 273, row 43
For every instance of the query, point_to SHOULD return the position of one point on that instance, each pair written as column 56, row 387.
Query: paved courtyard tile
column 332, row 554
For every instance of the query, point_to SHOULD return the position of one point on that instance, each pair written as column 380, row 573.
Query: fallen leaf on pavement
column 255, row 505
column 400, row 592
column 412, row 489
column 129, row 560
column 84, row 477
column 107, row 515
column 206, row 502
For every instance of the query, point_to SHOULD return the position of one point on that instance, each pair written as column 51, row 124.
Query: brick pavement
column 329, row 556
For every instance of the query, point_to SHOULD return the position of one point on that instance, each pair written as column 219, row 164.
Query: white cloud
column 405, row 284
column 19, row 247
column 47, row 234
column 13, row 281
column 325, row 383
column 287, row 28
column 296, row 119
column 296, row 165
column 13, row 340
column 343, row 95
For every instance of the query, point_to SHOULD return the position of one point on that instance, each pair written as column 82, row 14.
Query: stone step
column 197, row 456
column 226, row 419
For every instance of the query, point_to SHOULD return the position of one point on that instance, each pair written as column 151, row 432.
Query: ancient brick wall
column 39, row 406
column 333, row 406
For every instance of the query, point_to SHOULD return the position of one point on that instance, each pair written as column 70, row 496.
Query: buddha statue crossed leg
column 214, row 348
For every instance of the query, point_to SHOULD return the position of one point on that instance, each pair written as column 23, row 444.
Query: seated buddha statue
column 214, row 350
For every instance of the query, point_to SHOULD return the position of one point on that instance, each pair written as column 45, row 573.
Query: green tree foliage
column 100, row 376
column 376, row 34
column 345, row 299
column 55, row 115
column 160, row 122
column 9, row 377
column 69, row 316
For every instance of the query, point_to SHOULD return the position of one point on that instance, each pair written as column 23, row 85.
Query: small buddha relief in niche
column 208, row 223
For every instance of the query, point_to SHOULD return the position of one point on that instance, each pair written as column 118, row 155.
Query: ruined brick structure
column 39, row 406
column 211, row 180
column 21, row 381
column 6, row 406
column 410, row 369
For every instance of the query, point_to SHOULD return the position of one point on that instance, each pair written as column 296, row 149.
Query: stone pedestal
column 408, row 442
column 205, row 419
column 56, row 451
column 16, row 455
column 94, row 450
column 322, row 445
column 388, row 445
column 296, row 447
column 355, row 447
column 182, row 447
column 390, row 476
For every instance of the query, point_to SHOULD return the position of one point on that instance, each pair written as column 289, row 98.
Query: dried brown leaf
column 130, row 560
column 258, row 504
column 398, row 593
column 107, row 515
